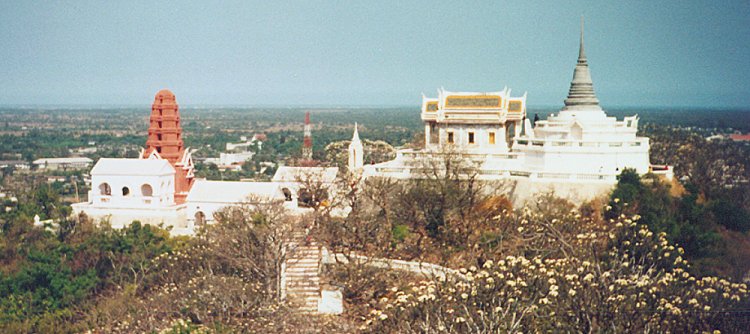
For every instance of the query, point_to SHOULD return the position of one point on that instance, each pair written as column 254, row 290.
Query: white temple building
column 124, row 190
column 576, row 153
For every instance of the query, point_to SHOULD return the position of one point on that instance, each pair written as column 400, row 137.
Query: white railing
column 577, row 143
column 427, row 269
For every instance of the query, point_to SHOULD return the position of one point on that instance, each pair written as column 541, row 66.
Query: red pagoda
column 165, row 142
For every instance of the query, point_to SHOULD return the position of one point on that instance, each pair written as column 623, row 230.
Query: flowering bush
column 619, row 278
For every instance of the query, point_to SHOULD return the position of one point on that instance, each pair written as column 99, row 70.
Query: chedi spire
column 581, row 95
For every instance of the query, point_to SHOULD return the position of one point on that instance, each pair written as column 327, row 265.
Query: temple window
column 146, row 190
column 305, row 198
column 287, row 194
column 105, row 189
column 492, row 138
column 125, row 191
column 434, row 133
column 200, row 218
column 471, row 137
column 515, row 106
column 450, row 137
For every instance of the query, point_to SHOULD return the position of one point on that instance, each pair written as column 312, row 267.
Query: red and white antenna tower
column 307, row 141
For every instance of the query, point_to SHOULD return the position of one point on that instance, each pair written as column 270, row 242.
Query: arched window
column 146, row 190
column 200, row 218
column 305, row 198
column 287, row 194
column 105, row 189
column 125, row 191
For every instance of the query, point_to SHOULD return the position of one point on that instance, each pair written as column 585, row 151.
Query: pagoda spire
column 581, row 96
column 165, row 142
column 581, row 51
column 164, row 131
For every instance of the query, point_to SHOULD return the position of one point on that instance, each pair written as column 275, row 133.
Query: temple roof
column 233, row 192
column 297, row 174
column 581, row 95
column 132, row 167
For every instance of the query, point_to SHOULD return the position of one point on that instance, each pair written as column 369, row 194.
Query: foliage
column 620, row 278
column 686, row 219
column 51, row 275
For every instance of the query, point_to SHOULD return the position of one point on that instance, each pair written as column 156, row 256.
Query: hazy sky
column 650, row 53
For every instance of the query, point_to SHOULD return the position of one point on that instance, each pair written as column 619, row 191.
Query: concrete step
column 310, row 270
column 304, row 295
column 301, row 274
column 305, row 303
column 296, row 279
column 306, row 259
column 302, row 262
column 314, row 295
column 295, row 288
column 297, row 250
column 303, row 253
column 303, row 288
column 304, row 300
column 306, row 266
column 302, row 277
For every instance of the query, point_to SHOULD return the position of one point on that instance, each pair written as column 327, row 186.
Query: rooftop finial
column 581, row 52
column 355, row 137
column 581, row 94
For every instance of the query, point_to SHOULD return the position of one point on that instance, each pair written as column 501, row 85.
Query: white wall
column 162, row 191
column 481, row 136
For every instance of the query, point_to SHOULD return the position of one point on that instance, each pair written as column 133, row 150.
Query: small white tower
column 356, row 152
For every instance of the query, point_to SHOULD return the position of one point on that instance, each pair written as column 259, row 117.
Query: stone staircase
column 300, row 274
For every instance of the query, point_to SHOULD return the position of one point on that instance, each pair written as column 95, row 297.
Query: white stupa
column 581, row 141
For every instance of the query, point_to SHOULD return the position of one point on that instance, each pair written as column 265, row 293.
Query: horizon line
column 331, row 106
